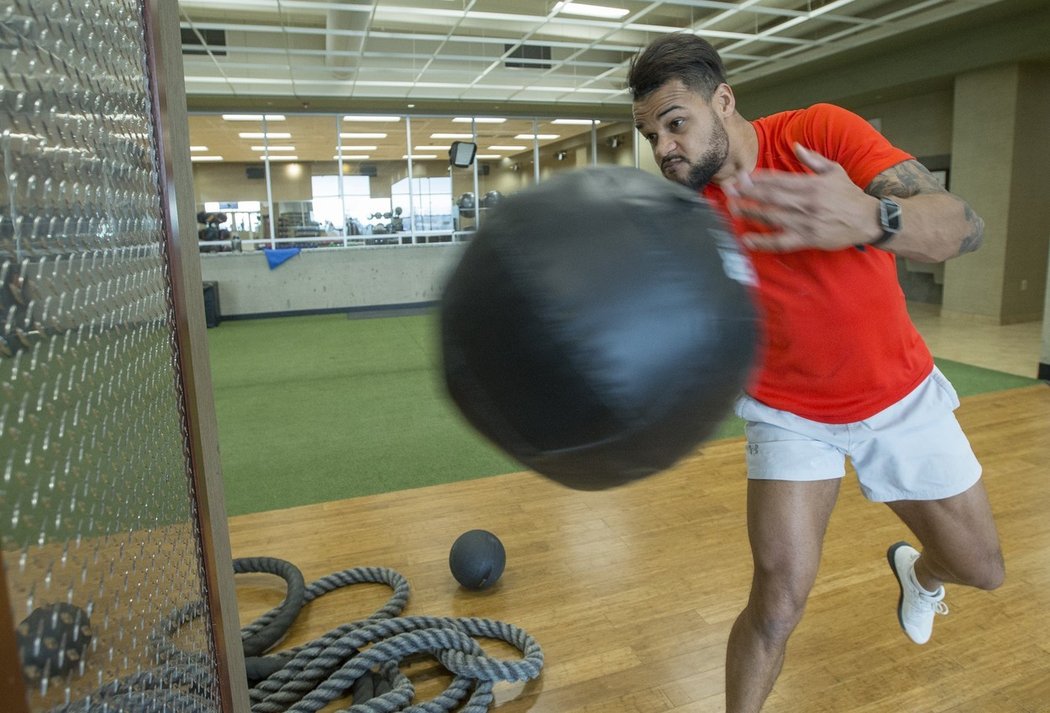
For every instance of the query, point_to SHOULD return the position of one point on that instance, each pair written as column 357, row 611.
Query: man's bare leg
column 786, row 525
column 960, row 544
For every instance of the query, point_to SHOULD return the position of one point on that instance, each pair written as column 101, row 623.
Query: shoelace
column 940, row 608
column 927, row 602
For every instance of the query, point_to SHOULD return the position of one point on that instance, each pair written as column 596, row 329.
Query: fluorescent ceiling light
column 541, row 137
column 357, row 148
column 507, row 148
column 377, row 117
column 195, row 159
column 420, row 156
column 579, row 8
column 431, row 148
column 452, row 136
column 273, row 148
column 352, row 157
column 488, row 155
column 361, row 135
column 479, row 119
column 264, row 135
column 578, row 122
column 198, row 148
column 253, row 117
column 267, row 157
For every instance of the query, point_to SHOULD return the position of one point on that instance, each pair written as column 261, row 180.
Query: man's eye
column 675, row 123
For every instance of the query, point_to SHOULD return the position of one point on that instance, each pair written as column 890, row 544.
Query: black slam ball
column 53, row 640
column 477, row 559
column 599, row 326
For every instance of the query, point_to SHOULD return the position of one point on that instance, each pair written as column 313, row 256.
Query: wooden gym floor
column 631, row 593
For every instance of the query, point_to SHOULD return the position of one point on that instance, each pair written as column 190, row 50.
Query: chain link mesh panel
column 102, row 555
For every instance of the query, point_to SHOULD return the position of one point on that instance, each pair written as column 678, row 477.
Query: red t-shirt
column 838, row 344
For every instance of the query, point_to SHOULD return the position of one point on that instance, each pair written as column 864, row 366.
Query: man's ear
column 724, row 101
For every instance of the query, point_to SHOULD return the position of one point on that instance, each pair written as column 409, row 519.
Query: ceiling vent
column 214, row 40
column 528, row 57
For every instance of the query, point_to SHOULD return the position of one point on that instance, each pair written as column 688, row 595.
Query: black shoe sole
column 893, row 566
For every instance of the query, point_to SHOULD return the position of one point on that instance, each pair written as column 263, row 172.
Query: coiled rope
column 360, row 659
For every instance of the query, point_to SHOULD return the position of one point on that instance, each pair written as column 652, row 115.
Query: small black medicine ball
column 599, row 326
column 52, row 640
column 477, row 559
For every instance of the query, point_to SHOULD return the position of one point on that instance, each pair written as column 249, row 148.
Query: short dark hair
column 677, row 55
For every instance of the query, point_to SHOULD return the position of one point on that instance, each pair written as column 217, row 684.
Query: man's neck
column 743, row 150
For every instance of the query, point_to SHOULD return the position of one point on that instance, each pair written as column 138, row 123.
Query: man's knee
column 984, row 570
column 777, row 604
column 991, row 572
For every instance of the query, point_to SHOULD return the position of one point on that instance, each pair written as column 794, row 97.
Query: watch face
column 889, row 215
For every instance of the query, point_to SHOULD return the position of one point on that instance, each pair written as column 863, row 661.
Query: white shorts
column 913, row 450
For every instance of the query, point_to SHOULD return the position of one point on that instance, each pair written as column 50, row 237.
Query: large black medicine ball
column 597, row 328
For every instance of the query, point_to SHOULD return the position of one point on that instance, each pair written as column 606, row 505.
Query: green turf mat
column 971, row 380
column 320, row 408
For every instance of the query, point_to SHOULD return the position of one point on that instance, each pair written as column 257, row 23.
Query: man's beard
column 704, row 169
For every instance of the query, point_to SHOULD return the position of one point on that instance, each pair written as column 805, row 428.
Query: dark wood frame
column 167, row 88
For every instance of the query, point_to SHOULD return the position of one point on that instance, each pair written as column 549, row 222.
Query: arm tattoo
column 973, row 239
column 904, row 180
column 910, row 178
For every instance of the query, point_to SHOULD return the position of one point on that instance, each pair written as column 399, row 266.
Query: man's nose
column 665, row 146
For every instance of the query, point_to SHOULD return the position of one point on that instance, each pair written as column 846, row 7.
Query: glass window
column 337, row 180
column 295, row 149
column 422, row 207
column 229, row 182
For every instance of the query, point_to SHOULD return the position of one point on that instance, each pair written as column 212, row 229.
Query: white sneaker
column 916, row 607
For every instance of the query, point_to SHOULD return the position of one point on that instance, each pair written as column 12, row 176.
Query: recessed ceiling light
column 377, row 117
column 253, row 117
column 421, row 156
column 198, row 148
column 431, row 148
column 452, row 136
column 507, row 148
column 479, row 119
column 273, row 148
column 196, row 159
column 541, row 137
column 579, row 122
column 361, row 135
column 264, row 135
column 578, row 8
column 268, row 157
column 352, row 157
column 488, row 155
column 357, row 148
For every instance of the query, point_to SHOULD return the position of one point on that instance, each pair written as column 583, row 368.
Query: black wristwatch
column 889, row 220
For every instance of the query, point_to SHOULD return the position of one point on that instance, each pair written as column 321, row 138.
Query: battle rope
column 314, row 674
column 308, row 677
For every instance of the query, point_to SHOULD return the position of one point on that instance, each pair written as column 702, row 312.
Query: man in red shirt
column 822, row 203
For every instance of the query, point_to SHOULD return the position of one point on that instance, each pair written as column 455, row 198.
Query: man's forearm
column 935, row 227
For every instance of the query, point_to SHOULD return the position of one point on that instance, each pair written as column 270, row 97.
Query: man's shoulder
column 808, row 113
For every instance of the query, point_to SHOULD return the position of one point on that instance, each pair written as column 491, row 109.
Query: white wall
column 326, row 279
